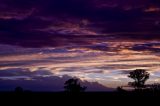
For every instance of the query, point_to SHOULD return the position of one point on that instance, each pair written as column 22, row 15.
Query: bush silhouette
column 18, row 89
column 120, row 89
column 140, row 76
column 155, row 87
column 73, row 86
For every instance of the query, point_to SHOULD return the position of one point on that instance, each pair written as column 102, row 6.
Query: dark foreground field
column 129, row 98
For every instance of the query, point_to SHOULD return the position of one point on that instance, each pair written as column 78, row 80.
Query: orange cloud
column 152, row 9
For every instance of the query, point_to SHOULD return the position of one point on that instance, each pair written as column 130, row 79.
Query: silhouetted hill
column 95, row 86
column 40, row 81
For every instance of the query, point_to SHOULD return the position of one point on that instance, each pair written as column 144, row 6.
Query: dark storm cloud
column 81, row 8
column 100, row 47
column 24, row 23
column 47, row 7
column 24, row 33
column 151, row 47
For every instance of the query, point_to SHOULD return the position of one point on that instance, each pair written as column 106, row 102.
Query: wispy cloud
column 91, row 39
column 89, row 61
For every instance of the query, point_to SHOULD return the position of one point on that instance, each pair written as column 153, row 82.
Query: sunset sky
column 95, row 40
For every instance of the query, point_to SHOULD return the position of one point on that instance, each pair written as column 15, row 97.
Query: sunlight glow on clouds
column 86, row 62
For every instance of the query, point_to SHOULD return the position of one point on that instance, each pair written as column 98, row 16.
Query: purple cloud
column 38, row 23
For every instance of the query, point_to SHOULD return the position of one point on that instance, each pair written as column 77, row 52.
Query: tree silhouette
column 73, row 86
column 155, row 87
column 140, row 76
column 18, row 89
column 120, row 89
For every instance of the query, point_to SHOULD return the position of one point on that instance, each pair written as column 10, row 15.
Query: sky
column 45, row 42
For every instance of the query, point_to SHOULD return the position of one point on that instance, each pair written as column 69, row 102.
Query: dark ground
column 61, row 98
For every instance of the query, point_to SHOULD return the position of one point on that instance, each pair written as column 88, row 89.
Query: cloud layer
column 103, row 62
column 38, row 23
column 95, row 40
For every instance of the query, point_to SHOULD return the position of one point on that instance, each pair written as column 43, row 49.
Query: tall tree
column 140, row 76
column 73, row 86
